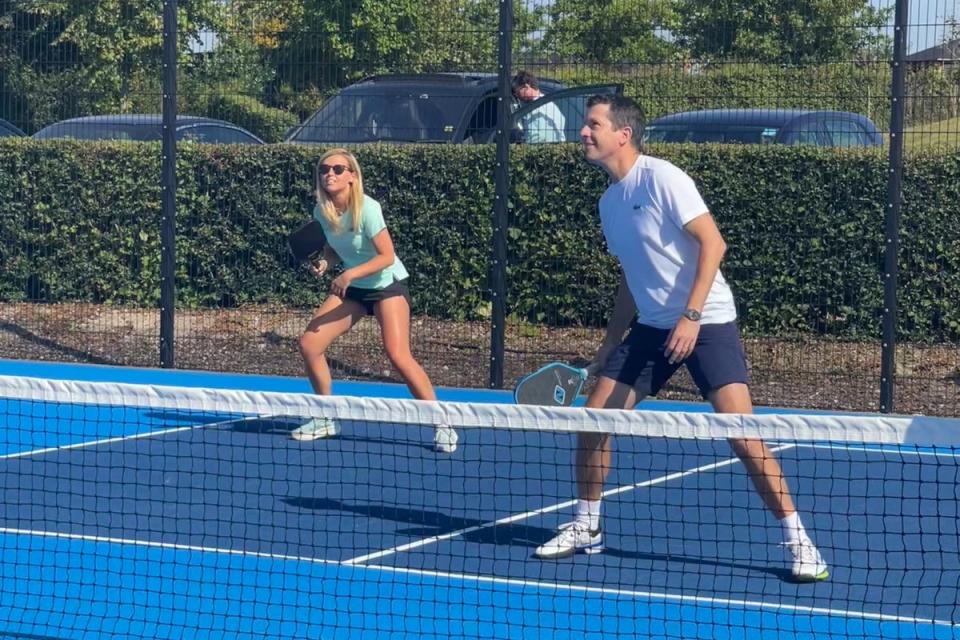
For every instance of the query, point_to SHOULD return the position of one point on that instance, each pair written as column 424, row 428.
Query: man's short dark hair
column 624, row 112
column 524, row 78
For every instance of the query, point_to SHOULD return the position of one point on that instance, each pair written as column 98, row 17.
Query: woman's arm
column 385, row 257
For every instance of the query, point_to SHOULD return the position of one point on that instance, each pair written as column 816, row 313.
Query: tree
column 328, row 44
column 781, row 31
column 609, row 31
column 75, row 57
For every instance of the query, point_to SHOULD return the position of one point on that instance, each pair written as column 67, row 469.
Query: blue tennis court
column 123, row 522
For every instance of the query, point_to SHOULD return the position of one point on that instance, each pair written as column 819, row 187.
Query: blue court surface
column 138, row 523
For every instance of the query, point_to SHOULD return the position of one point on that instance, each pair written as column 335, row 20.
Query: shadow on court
column 433, row 523
column 780, row 573
column 283, row 425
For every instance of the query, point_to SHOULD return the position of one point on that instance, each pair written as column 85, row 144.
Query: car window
column 846, row 133
column 396, row 115
column 100, row 131
column 711, row 132
column 483, row 121
column 806, row 132
column 8, row 130
column 213, row 133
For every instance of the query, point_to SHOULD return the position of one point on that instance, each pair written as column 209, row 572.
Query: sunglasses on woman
column 337, row 169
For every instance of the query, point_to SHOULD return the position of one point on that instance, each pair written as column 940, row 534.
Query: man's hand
column 681, row 341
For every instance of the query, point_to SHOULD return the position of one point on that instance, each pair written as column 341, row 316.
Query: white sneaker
column 808, row 564
column 315, row 429
column 572, row 538
column 445, row 439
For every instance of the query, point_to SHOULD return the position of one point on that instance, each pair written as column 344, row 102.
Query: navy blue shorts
column 370, row 297
column 717, row 360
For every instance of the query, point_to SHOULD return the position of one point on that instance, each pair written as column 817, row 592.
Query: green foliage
column 316, row 46
column 609, row 31
column 805, row 229
column 791, row 31
column 251, row 114
column 67, row 58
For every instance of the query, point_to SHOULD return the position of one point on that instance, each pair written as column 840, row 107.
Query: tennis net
column 132, row 511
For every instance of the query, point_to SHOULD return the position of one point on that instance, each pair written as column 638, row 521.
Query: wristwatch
column 692, row 314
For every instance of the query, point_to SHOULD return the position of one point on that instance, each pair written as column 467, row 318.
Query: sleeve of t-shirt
column 678, row 197
column 372, row 221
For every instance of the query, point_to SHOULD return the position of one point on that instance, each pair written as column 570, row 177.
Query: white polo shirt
column 643, row 217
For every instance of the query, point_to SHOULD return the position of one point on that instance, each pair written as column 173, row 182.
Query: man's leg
column 594, row 457
column 767, row 477
column 761, row 464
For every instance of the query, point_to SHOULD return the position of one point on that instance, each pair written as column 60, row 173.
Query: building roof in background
column 946, row 52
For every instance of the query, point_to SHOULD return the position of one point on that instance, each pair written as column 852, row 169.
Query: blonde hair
column 325, row 204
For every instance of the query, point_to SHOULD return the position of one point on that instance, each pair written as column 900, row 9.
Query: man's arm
column 624, row 310
column 683, row 338
column 712, row 249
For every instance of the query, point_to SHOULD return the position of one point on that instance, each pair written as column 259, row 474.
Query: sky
column 928, row 21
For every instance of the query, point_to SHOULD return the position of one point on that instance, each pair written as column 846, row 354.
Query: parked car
column 433, row 108
column 9, row 130
column 139, row 127
column 766, row 126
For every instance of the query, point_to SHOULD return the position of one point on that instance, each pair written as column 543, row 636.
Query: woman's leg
column 393, row 314
column 333, row 319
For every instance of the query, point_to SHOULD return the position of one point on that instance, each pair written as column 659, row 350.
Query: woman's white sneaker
column 315, row 429
column 445, row 439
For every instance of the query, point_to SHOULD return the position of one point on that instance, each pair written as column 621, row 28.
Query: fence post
column 498, row 271
column 892, row 225
column 168, row 185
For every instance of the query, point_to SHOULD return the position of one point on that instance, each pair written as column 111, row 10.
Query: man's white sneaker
column 315, row 429
column 445, row 439
column 572, row 538
column 808, row 564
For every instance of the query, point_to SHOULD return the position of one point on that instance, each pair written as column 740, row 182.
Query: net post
column 498, row 271
column 892, row 217
column 168, row 185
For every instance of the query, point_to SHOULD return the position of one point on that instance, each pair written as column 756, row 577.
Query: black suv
column 434, row 108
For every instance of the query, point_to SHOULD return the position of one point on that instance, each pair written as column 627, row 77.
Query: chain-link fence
column 811, row 199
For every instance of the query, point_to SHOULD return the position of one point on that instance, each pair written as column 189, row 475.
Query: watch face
column 691, row 314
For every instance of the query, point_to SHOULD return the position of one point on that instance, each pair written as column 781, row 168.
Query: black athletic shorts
column 370, row 297
column 717, row 360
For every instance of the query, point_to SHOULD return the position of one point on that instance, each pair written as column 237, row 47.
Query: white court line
column 909, row 450
column 162, row 545
column 529, row 514
column 134, row 436
column 675, row 597
column 466, row 577
column 624, row 489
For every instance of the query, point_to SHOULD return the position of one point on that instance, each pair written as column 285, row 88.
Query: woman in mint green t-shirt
column 373, row 282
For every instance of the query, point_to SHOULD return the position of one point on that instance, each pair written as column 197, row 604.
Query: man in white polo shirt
column 658, row 226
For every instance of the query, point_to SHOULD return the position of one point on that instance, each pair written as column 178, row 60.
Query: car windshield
column 723, row 133
column 400, row 116
column 102, row 131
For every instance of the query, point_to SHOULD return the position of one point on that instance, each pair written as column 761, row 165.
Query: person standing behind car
column 543, row 124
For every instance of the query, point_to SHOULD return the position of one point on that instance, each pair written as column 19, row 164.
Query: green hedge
column 80, row 221
column 267, row 122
